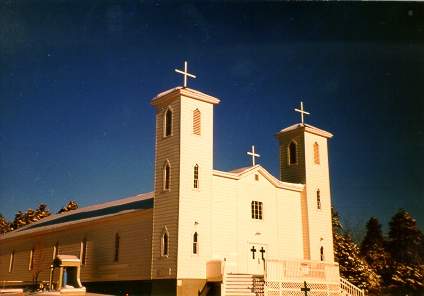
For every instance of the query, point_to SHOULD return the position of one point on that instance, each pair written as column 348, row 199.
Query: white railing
column 302, row 270
column 348, row 289
column 288, row 277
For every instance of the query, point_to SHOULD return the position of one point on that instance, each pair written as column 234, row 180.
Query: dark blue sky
column 76, row 79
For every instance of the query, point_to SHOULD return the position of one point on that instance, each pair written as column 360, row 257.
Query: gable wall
column 234, row 230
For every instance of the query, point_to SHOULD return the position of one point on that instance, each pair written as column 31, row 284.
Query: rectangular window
column 83, row 251
column 11, row 260
column 31, row 259
column 55, row 250
column 196, row 122
column 256, row 209
column 117, row 239
column 196, row 176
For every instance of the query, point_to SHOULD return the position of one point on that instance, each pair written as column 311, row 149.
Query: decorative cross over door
column 256, row 258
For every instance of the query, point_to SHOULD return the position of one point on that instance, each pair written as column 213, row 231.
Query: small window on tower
column 318, row 199
column 316, row 153
column 195, row 243
column 292, row 153
column 256, row 207
column 166, row 176
column 168, row 123
column 321, row 251
column 196, row 122
column 196, row 176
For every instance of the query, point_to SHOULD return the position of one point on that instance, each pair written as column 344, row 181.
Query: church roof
column 239, row 173
column 240, row 170
column 89, row 213
column 307, row 127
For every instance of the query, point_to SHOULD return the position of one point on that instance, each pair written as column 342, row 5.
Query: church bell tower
column 304, row 159
column 183, row 182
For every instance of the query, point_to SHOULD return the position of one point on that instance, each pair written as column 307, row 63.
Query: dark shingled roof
column 93, row 212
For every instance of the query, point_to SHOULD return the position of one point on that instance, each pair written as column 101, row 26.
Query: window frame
column 55, row 249
column 117, row 247
column 11, row 261
column 319, row 203
column 196, row 177
column 197, row 125
column 83, row 251
column 256, row 208
column 31, row 259
column 289, row 153
column 316, row 153
column 195, row 249
column 168, row 122
column 166, row 180
column 164, row 243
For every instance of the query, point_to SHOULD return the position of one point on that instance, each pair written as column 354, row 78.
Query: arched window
column 168, row 123
column 321, row 251
column 117, row 240
column 165, row 243
column 83, row 251
column 318, row 199
column 167, row 176
column 293, row 153
column 196, row 176
column 316, row 153
column 195, row 243
column 196, row 122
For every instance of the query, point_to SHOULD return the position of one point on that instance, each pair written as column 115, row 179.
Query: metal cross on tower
column 185, row 73
column 253, row 155
column 305, row 289
column 302, row 112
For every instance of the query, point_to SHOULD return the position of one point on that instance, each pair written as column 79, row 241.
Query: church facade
column 201, row 227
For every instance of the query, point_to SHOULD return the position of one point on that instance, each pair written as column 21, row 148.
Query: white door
column 256, row 258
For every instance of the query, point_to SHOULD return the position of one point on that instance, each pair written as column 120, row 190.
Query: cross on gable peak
column 185, row 73
column 253, row 154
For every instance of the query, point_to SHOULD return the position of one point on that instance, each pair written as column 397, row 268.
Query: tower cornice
column 164, row 98
column 306, row 128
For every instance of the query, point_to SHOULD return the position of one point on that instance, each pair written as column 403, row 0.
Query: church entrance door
column 256, row 258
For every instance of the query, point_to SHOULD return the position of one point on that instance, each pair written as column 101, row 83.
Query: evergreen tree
column 4, row 225
column 72, row 205
column 372, row 247
column 405, row 239
column 406, row 274
column 352, row 267
column 30, row 216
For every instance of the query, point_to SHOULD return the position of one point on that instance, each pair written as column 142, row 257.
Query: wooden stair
column 242, row 285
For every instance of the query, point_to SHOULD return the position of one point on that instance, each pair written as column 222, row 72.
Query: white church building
column 201, row 231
